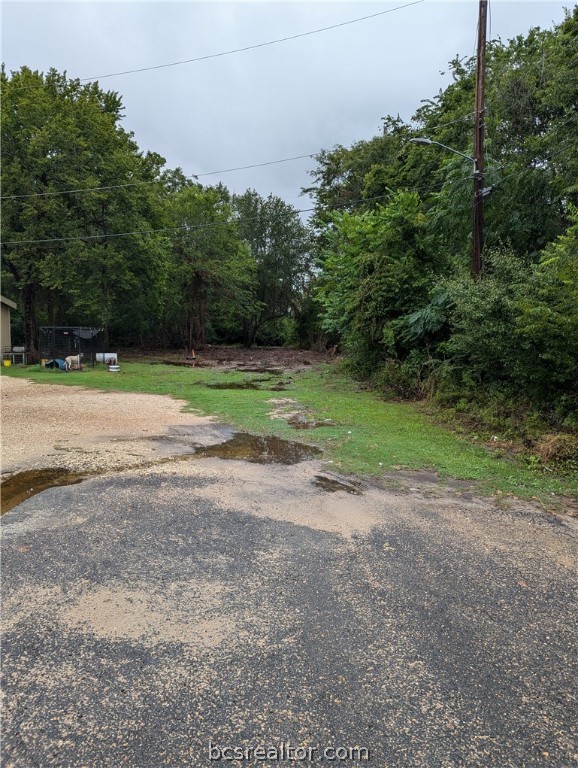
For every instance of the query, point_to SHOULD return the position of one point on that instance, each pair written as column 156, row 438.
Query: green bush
column 280, row 332
column 412, row 378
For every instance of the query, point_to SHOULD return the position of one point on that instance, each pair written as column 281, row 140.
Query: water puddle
column 331, row 485
column 234, row 385
column 241, row 446
column 271, row 371
column 260, row 450
column 253, row 384
column 299, row 421
column 24, row 485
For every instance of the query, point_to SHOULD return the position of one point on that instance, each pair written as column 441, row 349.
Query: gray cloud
column 278, row 101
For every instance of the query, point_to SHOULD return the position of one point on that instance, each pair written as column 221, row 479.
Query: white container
column 114, row 368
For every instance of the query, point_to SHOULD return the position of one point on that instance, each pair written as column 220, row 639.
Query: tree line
column 383, row 266
column 97, row 232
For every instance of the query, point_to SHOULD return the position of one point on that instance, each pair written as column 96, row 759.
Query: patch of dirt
column 273, row 360
column 185, row 614
column 76, row 429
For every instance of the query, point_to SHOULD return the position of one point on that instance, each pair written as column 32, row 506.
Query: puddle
column 254, row 384
column 234, row 385
column 331, row 485
column 183, row 446
column 26, row 484
column 260, row 450
column 299, row 421
column 271, row 371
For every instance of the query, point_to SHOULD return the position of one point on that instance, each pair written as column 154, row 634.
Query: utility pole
column 478, row 225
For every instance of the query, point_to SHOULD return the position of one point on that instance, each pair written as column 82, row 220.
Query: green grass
column 370, row 437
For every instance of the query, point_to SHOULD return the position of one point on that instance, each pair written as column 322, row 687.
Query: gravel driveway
column 170, row 613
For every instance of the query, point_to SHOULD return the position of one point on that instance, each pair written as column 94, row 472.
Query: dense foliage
column 393, row 219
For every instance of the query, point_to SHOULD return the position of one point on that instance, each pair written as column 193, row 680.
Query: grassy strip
column 370, row 436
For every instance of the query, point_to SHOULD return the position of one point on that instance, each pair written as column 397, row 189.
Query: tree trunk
column 190, row 341
column 199, row 313
column 30, row 321
column 250, row 328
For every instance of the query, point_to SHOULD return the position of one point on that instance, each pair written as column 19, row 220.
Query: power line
column 252, row 47
column 183, row 227
column 258, row 165
column 451, row 122
column 188, row 228
column 80, row 190
column 154, row 181
column 437, row 187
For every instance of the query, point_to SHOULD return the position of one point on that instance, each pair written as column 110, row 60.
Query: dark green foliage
column 281, row 250
column 395, row 218
column 547, row 321
column 145, row 253
column 210, row 271
column 377, row 269
column 59, row 135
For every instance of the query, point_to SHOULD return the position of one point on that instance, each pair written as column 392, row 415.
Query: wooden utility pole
column 478, row 226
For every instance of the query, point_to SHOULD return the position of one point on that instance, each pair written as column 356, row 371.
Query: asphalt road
column 150, row 615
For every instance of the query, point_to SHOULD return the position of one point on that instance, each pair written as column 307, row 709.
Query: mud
column 272, row 359
column 281, row 386
column 259, row 450
column 271, row 371
column 331, row 485
column 234, row 385
column 300, row 421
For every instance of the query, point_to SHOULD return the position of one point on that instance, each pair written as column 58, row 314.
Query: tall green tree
column 211, row 271
column 377, row 269
column 69, row 261
column 281, row 248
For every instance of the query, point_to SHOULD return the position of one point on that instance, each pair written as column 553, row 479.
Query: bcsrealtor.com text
column 284, row 751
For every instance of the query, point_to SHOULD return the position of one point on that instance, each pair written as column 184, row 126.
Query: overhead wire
column 186, row 227
column 452, row 122
column 252, row 47
column 155, row 181
column 80, row 190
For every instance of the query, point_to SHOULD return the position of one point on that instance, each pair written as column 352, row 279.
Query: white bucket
column 114, row 368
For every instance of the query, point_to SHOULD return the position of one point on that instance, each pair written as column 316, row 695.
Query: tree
column 59, row 136
column 281, row 248
column 376, row 270
column 211, row 272
column 547, row 321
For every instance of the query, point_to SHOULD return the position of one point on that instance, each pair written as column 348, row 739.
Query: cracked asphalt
column 151, row 612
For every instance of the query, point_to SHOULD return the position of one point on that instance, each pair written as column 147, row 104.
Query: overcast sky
column 292, row 98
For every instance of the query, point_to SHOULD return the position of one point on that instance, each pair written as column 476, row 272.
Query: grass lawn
column 368, row 436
